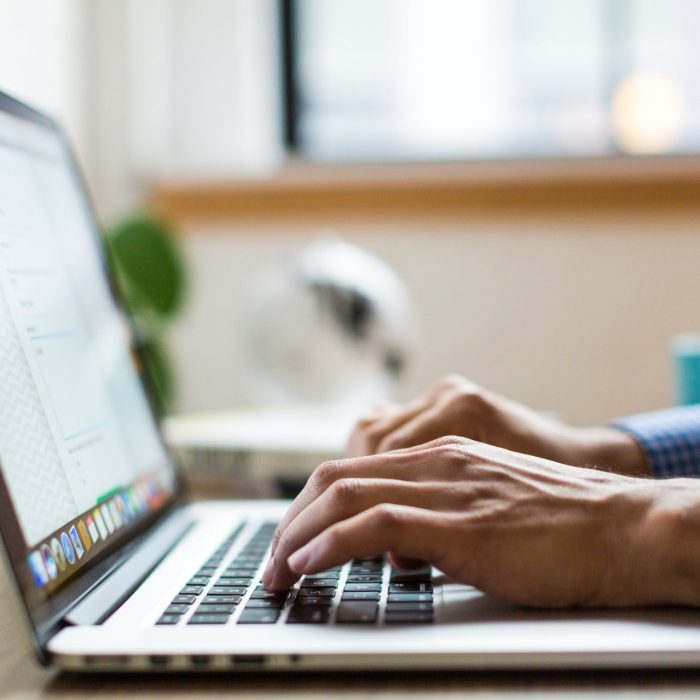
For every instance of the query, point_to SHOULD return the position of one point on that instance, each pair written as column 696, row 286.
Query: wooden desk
column 21, row 678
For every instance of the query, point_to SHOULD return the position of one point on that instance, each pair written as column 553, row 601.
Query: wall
column 42, row 54
column 179, row 89
column 567, row 313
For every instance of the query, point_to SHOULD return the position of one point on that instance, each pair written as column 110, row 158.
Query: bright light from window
column 451, row 79
column 648, row 112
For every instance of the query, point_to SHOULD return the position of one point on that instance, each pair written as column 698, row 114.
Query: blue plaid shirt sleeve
column 671, row 439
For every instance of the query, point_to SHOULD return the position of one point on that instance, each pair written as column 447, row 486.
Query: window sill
column 449, row 189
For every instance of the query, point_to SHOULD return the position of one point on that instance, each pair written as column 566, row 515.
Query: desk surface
column 22, row 678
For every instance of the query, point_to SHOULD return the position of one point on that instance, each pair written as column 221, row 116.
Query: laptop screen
column 81, row 460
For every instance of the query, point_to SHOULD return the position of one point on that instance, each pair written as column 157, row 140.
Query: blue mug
column 686, row 362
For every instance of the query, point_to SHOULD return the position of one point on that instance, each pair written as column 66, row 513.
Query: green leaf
column 148, row 260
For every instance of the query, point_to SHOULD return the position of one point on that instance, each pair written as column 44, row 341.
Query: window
column 468, row 79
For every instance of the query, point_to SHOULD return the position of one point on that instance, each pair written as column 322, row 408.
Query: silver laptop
column 115, row 569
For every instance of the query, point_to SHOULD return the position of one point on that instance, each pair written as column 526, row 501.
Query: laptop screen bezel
column 45, row 615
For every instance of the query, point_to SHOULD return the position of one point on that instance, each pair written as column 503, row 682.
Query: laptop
column 115, row 569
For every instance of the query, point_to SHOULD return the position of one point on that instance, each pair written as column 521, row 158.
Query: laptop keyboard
column 365, row 592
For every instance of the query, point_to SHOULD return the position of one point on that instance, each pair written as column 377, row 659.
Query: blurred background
column 530, row 169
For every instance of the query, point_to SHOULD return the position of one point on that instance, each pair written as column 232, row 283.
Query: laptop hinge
column 108, row 595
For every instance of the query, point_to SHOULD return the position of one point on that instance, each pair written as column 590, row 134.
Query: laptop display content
column 82, row 466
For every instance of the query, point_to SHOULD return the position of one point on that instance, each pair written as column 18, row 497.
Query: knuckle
column 455, row 452
column 447, row 440
column 470, row 401
column 454, row 445
column 326, row 473
column 385, row 515
column 390, row 443
column 283, row 541
column 366, row 438
column 373, row 434
column 363, row 425
column 344, row 491
column 357, row 444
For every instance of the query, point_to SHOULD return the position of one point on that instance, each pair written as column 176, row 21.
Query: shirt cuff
column 670, row 438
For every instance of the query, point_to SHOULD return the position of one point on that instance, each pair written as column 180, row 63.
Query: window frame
column 288, row 74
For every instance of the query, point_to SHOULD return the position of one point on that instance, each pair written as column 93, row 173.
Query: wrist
column 652, row 552
column 613, row 450
column 667, row 544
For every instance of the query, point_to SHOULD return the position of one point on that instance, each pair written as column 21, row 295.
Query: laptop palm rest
column 106, row 597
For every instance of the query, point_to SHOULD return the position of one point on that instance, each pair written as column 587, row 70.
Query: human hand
column 521, row 528
column 456, row 406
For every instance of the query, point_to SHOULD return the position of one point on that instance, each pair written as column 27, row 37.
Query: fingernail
column 300, row 560
column 267, row 575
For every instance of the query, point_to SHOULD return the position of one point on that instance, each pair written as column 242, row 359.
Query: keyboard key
column 408, row 607
column 363, row 587
column 325, row 580
column 357, row 611
column 222, row 600
column 410, row 587
column 306, row 616
column 228, row 590
column 191, row 590
column 264, row 604
column 203, row 619
column 238, row 581
column 199, row 581
column 422, row 574
column 262, row 594
column 365, row 578
column 319, row 583
column 360, row 595
column 207, row 571
column 214, row 608
column 408, row 617
column 185, row 599
column 241, row 571
column 169, row 619
column 176, row 609
column 326, row 592
column 238, row 572
column 410, row 597
column 258, row 617
column 313, row 601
